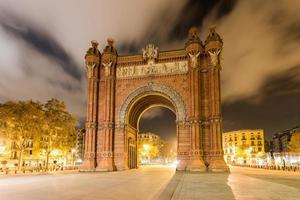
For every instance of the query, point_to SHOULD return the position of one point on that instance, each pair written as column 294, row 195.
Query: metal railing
column 295, row 168
column 36, row 169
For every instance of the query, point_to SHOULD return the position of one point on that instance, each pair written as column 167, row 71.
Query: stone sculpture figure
column 214, row 57
column 194, row 59
column 107, row 68
column 90, row 69
column 150, row 53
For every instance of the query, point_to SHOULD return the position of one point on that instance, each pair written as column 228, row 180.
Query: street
column 154, row 182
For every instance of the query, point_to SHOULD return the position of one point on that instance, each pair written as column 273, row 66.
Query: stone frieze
column 180, row 67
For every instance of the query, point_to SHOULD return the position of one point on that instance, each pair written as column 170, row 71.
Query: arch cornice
column 172, row 95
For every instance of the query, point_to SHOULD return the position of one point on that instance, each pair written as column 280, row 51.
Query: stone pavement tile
column 245, row 187
column 168, row 191
column 206, row 186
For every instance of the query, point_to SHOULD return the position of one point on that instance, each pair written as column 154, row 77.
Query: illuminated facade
column 281, row 140
column 279, row 152
column 32, row 155
column 5, row 150
column 149, row 138
column 122, row 87
column 244, row 146
column 9, row 153
column 149, row 147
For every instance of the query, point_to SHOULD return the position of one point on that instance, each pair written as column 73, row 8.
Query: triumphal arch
column 122, row 87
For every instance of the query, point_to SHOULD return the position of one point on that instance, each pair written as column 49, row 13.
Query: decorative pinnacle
column 193, row 36
column 193, row 30
column 212, row 29
column 110, row 46
column 110, row 41
column 94, row 43
column 213, row 35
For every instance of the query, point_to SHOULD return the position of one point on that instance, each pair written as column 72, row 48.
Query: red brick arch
column 121, row 88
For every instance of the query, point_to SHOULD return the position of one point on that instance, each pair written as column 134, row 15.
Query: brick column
column 205, row 111
column 105, row 155
column 92, row 60
column 194, row 50
column 183, row 145
column 213, row 48
column 120, row 144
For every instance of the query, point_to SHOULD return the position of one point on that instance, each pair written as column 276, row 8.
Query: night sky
column 43, row 44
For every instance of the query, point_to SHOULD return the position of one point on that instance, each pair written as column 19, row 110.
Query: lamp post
column 2, row 149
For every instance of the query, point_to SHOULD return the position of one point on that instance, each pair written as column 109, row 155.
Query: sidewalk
column 241, row 183
column 37, row 173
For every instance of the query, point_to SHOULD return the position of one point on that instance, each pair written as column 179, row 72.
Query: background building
column 149, row 147
column 154, row 150
column 244, row 146
column 281, row 139
column 278, row 152
column 9, row 156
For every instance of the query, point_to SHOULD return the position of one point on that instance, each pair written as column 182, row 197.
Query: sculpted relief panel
column 180, row 67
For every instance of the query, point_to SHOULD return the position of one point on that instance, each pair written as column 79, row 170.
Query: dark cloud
column 194, row 13
column 279, row 109
column 166, row 28
column 42, row 42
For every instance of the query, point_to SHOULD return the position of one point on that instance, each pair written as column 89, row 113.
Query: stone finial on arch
column 173, row 96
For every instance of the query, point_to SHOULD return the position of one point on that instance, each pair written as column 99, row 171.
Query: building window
column 252, row 143
column 259, row 149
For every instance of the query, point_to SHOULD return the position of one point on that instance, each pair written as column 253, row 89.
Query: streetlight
column 2, row 149
column 146, row 147
column 55, row 152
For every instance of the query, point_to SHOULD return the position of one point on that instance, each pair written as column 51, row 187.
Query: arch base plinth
column 196, row 166
column 218, row 165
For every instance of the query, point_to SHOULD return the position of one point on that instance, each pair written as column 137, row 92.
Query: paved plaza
column 155, row 182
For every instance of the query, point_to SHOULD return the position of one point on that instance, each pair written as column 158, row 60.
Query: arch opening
column 157, row 137
column 149, row 141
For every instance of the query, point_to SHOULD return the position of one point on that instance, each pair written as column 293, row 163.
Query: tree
column 59, row 130
column 294, row 144
column 147, row 150
column 242, row 152
column 19, row 121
